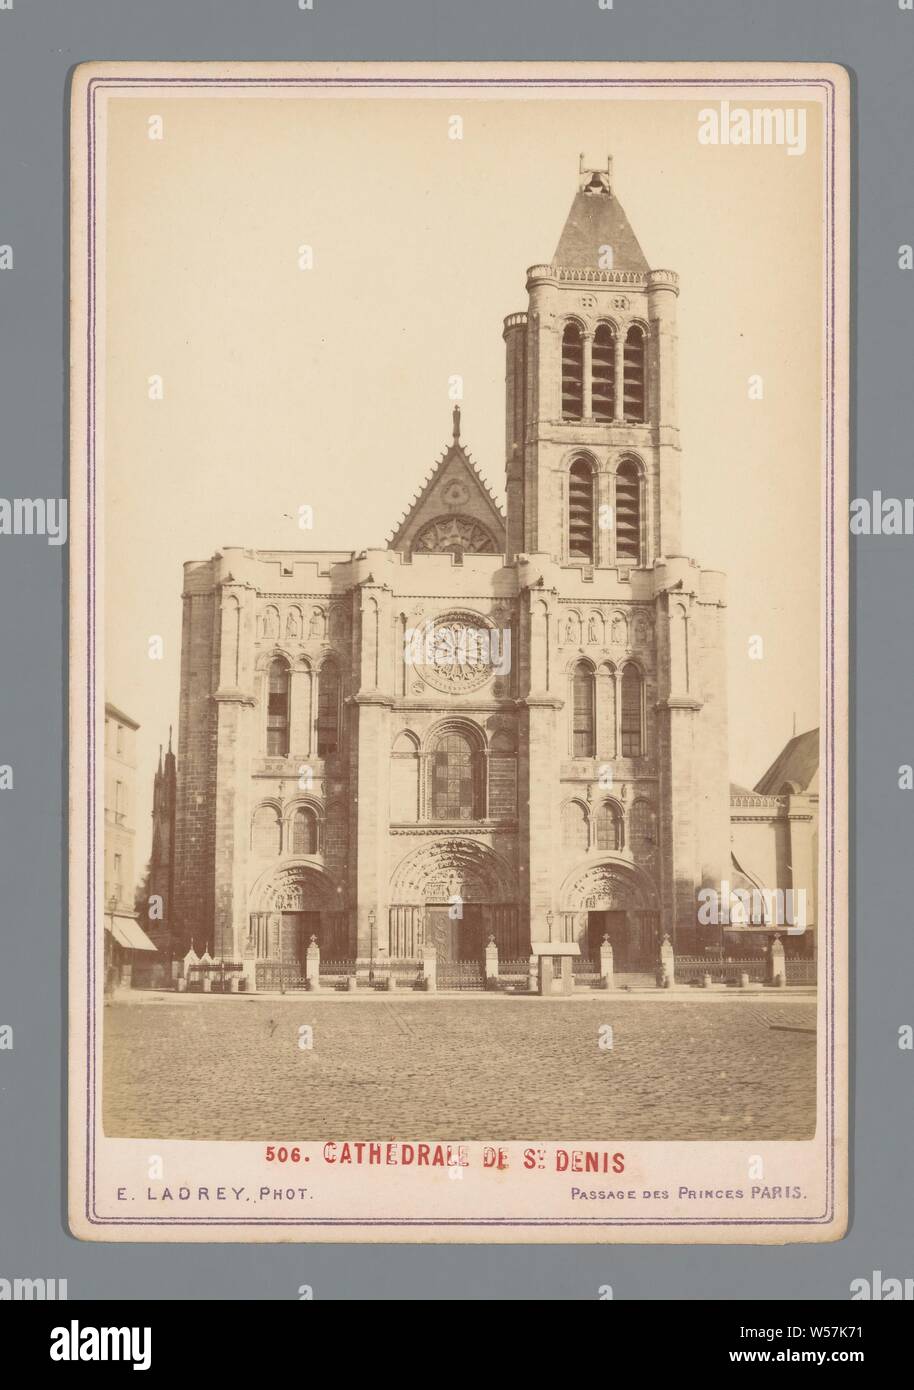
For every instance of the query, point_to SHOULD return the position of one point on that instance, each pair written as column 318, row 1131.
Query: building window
column 628, row 512
column 632, row 741
column 572, row 372
column 266, row 832
column 574, row 827
column 117, row 885
column 453, row 779
column 120, row 803
column 633, row 366
column 604, row 372
column 404, row 778
column 304, row 831
column 644, row 834
column 610, row 827
column 580, row 511
column 278, row 710
column 119, row 739
column 328, row 710
column 582, row 741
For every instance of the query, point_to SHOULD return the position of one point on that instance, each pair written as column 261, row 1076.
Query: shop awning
column 128, row 932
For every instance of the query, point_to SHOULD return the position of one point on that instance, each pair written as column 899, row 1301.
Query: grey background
column 39, row 43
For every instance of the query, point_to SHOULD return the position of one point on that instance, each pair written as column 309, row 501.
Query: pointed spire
column 597, row 234
column 169, row 738
column 160, row 760
column 456, row 424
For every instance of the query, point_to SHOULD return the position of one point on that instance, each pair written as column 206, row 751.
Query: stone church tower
column 497, row 725
column 593, row 487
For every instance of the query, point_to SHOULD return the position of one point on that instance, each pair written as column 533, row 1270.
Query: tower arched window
column 572, row 372
column 610, row 827
column 644, row 829
column 628, row 512
column 278, row 709
column 580, row 511
column 603, row 393
column 328, row 710
column 266, row 832
column 304, row 831
column 633, row 394
column 631, row 714
column 574, row 827
column 454, row 778
column 583, row 732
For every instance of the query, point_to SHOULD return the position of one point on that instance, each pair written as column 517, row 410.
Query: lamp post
column 550, row 918
column 112, row 908
column 372, row 922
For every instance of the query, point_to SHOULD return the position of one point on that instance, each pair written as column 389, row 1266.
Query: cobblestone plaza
column 180, row 1067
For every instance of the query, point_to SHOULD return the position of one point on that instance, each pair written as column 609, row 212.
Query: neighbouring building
column 125, row 940
column 776, row 844
column 509, row 725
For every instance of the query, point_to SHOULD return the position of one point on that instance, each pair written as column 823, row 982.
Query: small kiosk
column 553, row 958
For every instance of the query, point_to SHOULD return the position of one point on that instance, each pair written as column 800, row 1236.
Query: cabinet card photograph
column 458, row 689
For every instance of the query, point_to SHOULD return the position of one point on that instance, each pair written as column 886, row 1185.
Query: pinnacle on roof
column 455, row 466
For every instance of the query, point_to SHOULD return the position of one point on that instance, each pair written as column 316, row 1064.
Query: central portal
column 297, row 931
column 615, row 926
column 454, row 937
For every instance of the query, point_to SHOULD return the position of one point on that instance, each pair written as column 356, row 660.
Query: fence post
column 532, row 975
column 249, row 969
column 667, row 963
column 190, row 959
column 491, row 959
column 313, row 965
column 430, row 967
column 606, row 964
column 777, row 970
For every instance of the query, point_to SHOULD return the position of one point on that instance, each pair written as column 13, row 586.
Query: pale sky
column 330, row 387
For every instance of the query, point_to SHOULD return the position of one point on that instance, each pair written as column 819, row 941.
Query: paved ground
column 458, row 1069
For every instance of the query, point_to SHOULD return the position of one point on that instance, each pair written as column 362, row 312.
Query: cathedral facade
column 508, row 725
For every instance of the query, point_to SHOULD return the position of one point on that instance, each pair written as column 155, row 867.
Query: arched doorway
column 613, row 899
column 453, row 894
column 291, row 905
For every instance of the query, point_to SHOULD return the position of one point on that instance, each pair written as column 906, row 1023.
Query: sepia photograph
column 458, row 626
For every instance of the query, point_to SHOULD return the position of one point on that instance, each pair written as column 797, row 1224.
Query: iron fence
column 336, row 974
column 514, row 974
column 460, row 974
column 800, row 971
column 280, row 975
column 392, row 974
column 727, row 970
column 585, row 970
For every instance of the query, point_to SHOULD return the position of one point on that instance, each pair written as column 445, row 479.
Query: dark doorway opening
column 615, row 926
column 455, row 930
column 297, row 931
